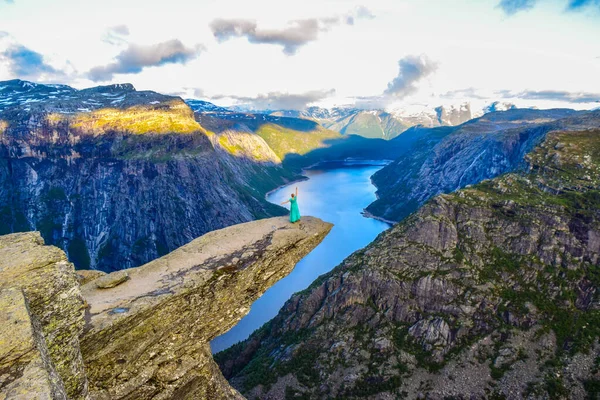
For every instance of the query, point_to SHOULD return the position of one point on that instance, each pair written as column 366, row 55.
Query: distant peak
column 124, row 86
column 117, row 87
column 18, row 84
column 20, row 87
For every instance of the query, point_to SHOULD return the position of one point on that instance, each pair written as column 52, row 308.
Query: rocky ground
column 141, row 333
column 489, row 292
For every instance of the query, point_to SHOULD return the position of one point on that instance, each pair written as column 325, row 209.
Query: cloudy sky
column 287, row 54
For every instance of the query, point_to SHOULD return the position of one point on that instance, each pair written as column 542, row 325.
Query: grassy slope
column 138, row 120
column 285, row 141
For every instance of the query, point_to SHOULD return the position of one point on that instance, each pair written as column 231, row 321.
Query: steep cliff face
column 247, row 155
column 147, row 329
column 441, row 160
column 489, row 292
column 300, row 142
column 117, row 177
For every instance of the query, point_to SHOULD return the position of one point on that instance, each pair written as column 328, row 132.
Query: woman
column 294, row 210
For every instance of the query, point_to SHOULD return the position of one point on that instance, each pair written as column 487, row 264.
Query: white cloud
column 278, row 100
column 474, row 44
column 296, row 34
column 136, row 57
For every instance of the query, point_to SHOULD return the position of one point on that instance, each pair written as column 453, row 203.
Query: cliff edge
column 145, row 331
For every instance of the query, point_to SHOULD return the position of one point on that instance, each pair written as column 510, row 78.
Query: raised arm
column 296, row 191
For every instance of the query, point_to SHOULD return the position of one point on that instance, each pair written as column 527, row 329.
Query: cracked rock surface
column 148, row 336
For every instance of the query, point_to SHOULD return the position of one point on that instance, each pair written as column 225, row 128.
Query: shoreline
column 364, row 212
column 286, row 288
column 367, row 214
column 350, row 162
column 302, row 179
column 376, row 188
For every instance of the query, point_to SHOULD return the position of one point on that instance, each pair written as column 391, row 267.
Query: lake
column 336, row 193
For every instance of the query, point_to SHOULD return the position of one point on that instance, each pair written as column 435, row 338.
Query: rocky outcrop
column 148, row 337
column 56, row 315
column 147, row 329
column 118, row 177
column 442, row 160
column 489, row 292
column 26, row 371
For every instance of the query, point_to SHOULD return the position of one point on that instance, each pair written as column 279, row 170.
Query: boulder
column 111, row 280
column 86, row 275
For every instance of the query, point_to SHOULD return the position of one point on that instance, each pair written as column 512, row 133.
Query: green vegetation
column 403, row 341
column 284, row 140
column 227, row 145
column 242, row 144
column 368, row 125
column 496, row 395
column 498, row 372
column 555, row 387
column 369, row 385
column 364, row 124
column 55, row 194
column 265, row 369
column 176, row 118
column 12, row 221
column 293, row 394
column 159, row 147
column 3, row 126
column 78, row 253
column 592, row 388
column 575, row 329
column 559, row 163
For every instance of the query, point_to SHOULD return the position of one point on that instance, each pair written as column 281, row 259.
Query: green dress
column 294, row 210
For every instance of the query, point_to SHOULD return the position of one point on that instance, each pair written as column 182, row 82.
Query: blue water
column 337, row 194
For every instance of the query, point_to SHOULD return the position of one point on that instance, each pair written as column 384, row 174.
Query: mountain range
column 117, row 177
column 488, row 292
column 120, row 153
column 388, row 124
column 485, row 287
column 441, row 160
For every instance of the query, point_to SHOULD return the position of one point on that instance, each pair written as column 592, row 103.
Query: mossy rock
column 111, row 280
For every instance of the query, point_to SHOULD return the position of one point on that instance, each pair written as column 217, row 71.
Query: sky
column 289, row 54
